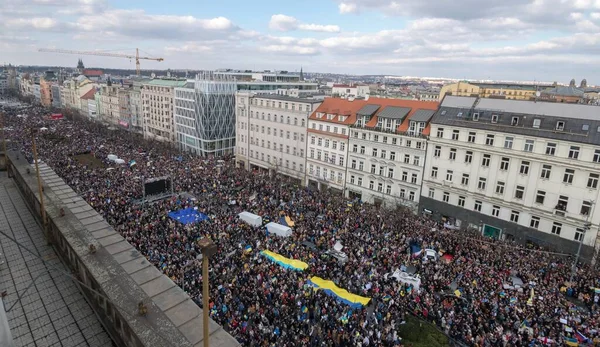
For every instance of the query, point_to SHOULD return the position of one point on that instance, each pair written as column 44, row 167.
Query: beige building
column 157, row 104
column 491, row 90
column 72, row 90
column 109, row 104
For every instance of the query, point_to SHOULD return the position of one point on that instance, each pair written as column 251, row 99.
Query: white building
column 327, row 148
column 271, row 132
column 516, row 169
column 352, row 90
column 3, row 83
column 387, row 151
column 109, row 104
column 157, row 101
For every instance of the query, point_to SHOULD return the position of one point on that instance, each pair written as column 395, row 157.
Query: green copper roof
column 167, row 83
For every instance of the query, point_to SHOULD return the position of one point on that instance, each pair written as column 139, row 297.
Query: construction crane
column 105, row 54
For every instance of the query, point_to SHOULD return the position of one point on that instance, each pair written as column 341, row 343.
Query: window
column 320, row 142
column 416, row 160
column 437, row 151
column 574, row 152
column 353, row 164
column 404, row 176
column 468, row 157
column 373, row 168
column 597, row 156
column 504, row 163
column 540, row 196
column 352, row 179
column 440, row 132
column 586, row 207
column 383, row 153
column 334, row 145
column 431, row 193
column 446, row 197
column 579, row 233
column 476, row 116
column 392, row 155
column 452, row 153
column 402, row 193
column 381, row 170
column 546, row 171
column 385, row 139
column 489, row 140
column 362, row 149
column 434, row 172
column 355, row 148
column 556, row 228
column 514, row 216
column 471, row 137
column 361, row 165
column 494, row 118
column 593, row 181
column 535, row 222
column 407, row 159
column 390, row 173
column 536, row 123
column 481, row 184
column 519, row 192
column 514, row 121
column 461, row 201
column 524, row 170
column 359, row 181
column 408, row 143
column 413, row 178
column 485, row 162
column 477, row 206
column 374, row 152
column 550, row 148
column 500, row 187
column 411, row 196
column 495, row 211
column 560, row 125
column 449, row 175
column 528, row 146
column 568, row 176
column 465, row 179
column 508, row 142
column 455, row 134
column 380, row 187
column 371, row 185
column 326, row 141
column 394, row 140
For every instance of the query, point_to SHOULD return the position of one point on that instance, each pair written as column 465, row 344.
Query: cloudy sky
column 544, row 40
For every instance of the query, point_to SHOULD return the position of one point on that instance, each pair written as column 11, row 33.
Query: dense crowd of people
column 263, row 304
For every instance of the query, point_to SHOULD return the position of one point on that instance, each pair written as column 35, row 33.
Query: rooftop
column 288, row 98
column 564, row 91
column 166, row 83
column 89, row 95
column 92, row 73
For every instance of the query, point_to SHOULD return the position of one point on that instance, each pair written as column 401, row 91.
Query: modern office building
column 271, row 132
column 387, row 151
column 519, row 170
column 205, row 115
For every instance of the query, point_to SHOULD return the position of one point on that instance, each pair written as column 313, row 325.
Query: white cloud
column 40, row 23
column 347, row 8
column 281, row 22
column 190, row 47
column 289, row 50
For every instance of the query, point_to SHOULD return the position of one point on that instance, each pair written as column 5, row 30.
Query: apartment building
column 519, row 170
column 328, row 138
column 387, row 151
column 493, row 90
column 73, row 89
column 271, row 132
column 350, row 90
column 157, row 103
column 124, row 107
column 109, row 104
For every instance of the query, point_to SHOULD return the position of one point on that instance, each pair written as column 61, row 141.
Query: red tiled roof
column 89, row 95
column 338, row 107
column 414, row 105
column 92, row 73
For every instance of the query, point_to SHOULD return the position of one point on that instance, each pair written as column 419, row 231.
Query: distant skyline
column 547, row 40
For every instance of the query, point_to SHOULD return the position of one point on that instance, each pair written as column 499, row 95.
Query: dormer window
column 585, row 127
column 536, row 123
column 494, row 118
column 330, row 116
column 459, row 114
column 443, row 113
column 342, row 118
column 320, row 115
column 560, row 125
column 514, row 121
column 476, row 116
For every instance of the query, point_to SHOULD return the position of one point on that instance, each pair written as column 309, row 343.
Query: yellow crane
column 105, row 54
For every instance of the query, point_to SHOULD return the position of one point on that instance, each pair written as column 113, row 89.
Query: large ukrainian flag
column 287, row 263
column 330, row 288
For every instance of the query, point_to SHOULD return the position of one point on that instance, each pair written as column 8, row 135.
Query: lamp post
column 208, row 250
column 586, row 226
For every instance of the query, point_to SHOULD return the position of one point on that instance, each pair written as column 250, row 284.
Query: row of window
column 514, row 214
column 261, row 155
column 381, row 171
column 288, row 119
column 326, row 174
column 255, row 142
column 528, row 146
column 296, row 135
column 383, row 154
column 326, row 142
column 282, row 105
column 358, row 181
column 394, row 140
column 545, row 173
column 328, row 128
column 324, row 156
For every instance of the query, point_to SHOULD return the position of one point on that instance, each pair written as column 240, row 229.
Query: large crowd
column 263, row 304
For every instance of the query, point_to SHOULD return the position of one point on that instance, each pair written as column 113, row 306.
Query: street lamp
column 586, row 226
column 208, row 250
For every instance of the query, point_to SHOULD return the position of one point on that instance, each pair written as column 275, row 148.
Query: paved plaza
column 52, row 312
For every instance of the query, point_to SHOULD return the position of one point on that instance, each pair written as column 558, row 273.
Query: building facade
column 205, row 115
column 328, row 139
column 124, row 107
column 387, row 151
column 4, row 85
column 350, row 90
column 492, row 90
column 519, row 170
column 109, row 110
column 158, row 105
column 271, row 132
column 46, row 92
column 56, row 100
